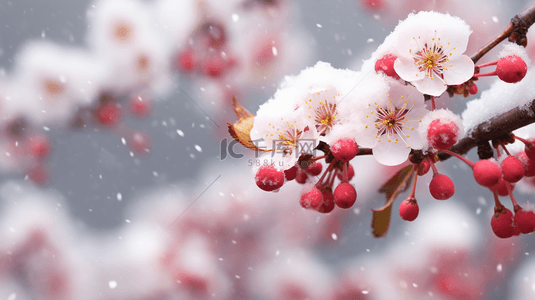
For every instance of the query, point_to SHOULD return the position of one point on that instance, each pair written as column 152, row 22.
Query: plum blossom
column 321, row 108
column 390, row 124
column 430, row 52
column 304, row 108
column 286, row 135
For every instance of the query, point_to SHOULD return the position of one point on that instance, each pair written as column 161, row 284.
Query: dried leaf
column 381, row 221
column 239, row 110
column 393, row 183
column 399, row 183
column 241, row 130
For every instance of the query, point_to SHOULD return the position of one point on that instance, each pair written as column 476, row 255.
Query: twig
column 494, row 128
column 515, row 31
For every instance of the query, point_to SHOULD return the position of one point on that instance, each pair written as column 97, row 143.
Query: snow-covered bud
column 385, row 64
column 442, row 128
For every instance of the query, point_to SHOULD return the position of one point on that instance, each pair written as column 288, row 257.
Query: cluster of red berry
column 500, row 177
column 207, row 53
column 319, row 196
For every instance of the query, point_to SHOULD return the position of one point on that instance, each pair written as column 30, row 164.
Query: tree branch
column 495, row 128
column 515, row 31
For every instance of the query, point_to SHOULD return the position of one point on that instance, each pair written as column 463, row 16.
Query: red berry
column 441, row 187
column 186, row 60
column 501, row 188
column 140, row 107
column 312, row 199
column 487, row 173
column 511, row 69
column 269, row 179
column 424, row 167
column 408, row 209
column 442, row 134
column 525, row 221
column 473, row 89
column 350, row 173
column 344, row 149
column 291, row 173
column 328, row 203
column 386, row 65
column 502, row 223
column 213, row 66
column 374, row 4
column 530, row 151
column 39, row 175
column 512, row 169
column 314, row 168
column 516, row 231
column 529, row 165
column 345, row 195
column 109, row 114
column 39, row 146
column 301, row 177
column 139, row 142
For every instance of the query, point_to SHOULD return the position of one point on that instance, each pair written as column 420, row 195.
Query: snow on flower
column 52, row 82
column 322, row 88
column 390, row 124
column 176, row 19
column 322, row 109
column 430, row 53
column 287, row 135
column 302, row 110
column 125, row 34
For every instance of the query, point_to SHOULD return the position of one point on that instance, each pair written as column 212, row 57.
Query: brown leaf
column 381, row 221
column 241, row 130
column 239, row 110
column 399, row 183
column 393, row 183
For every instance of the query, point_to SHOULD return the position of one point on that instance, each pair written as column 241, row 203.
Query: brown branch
column 515, row 31
column 495, row 128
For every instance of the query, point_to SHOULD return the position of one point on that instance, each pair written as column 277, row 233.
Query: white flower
column 125, row 35
column 51, row 82
column 431, row 47
column 390, row 125
column 321, row 108
column 287, row 134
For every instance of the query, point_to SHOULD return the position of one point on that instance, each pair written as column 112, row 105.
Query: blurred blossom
column 131, row 103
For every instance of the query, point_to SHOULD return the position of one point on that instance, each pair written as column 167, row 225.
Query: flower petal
column 407, row 69
column 391, row 154
column 417, row 114
column 458, row 70
column 455, row 41
column 405, row 96
column 367, row 138
column 433, row 87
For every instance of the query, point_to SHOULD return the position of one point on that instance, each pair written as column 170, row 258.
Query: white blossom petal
column 367, row 138
column 407, row 69
column 391, row 154
column 434, row 87
column 459, row 70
